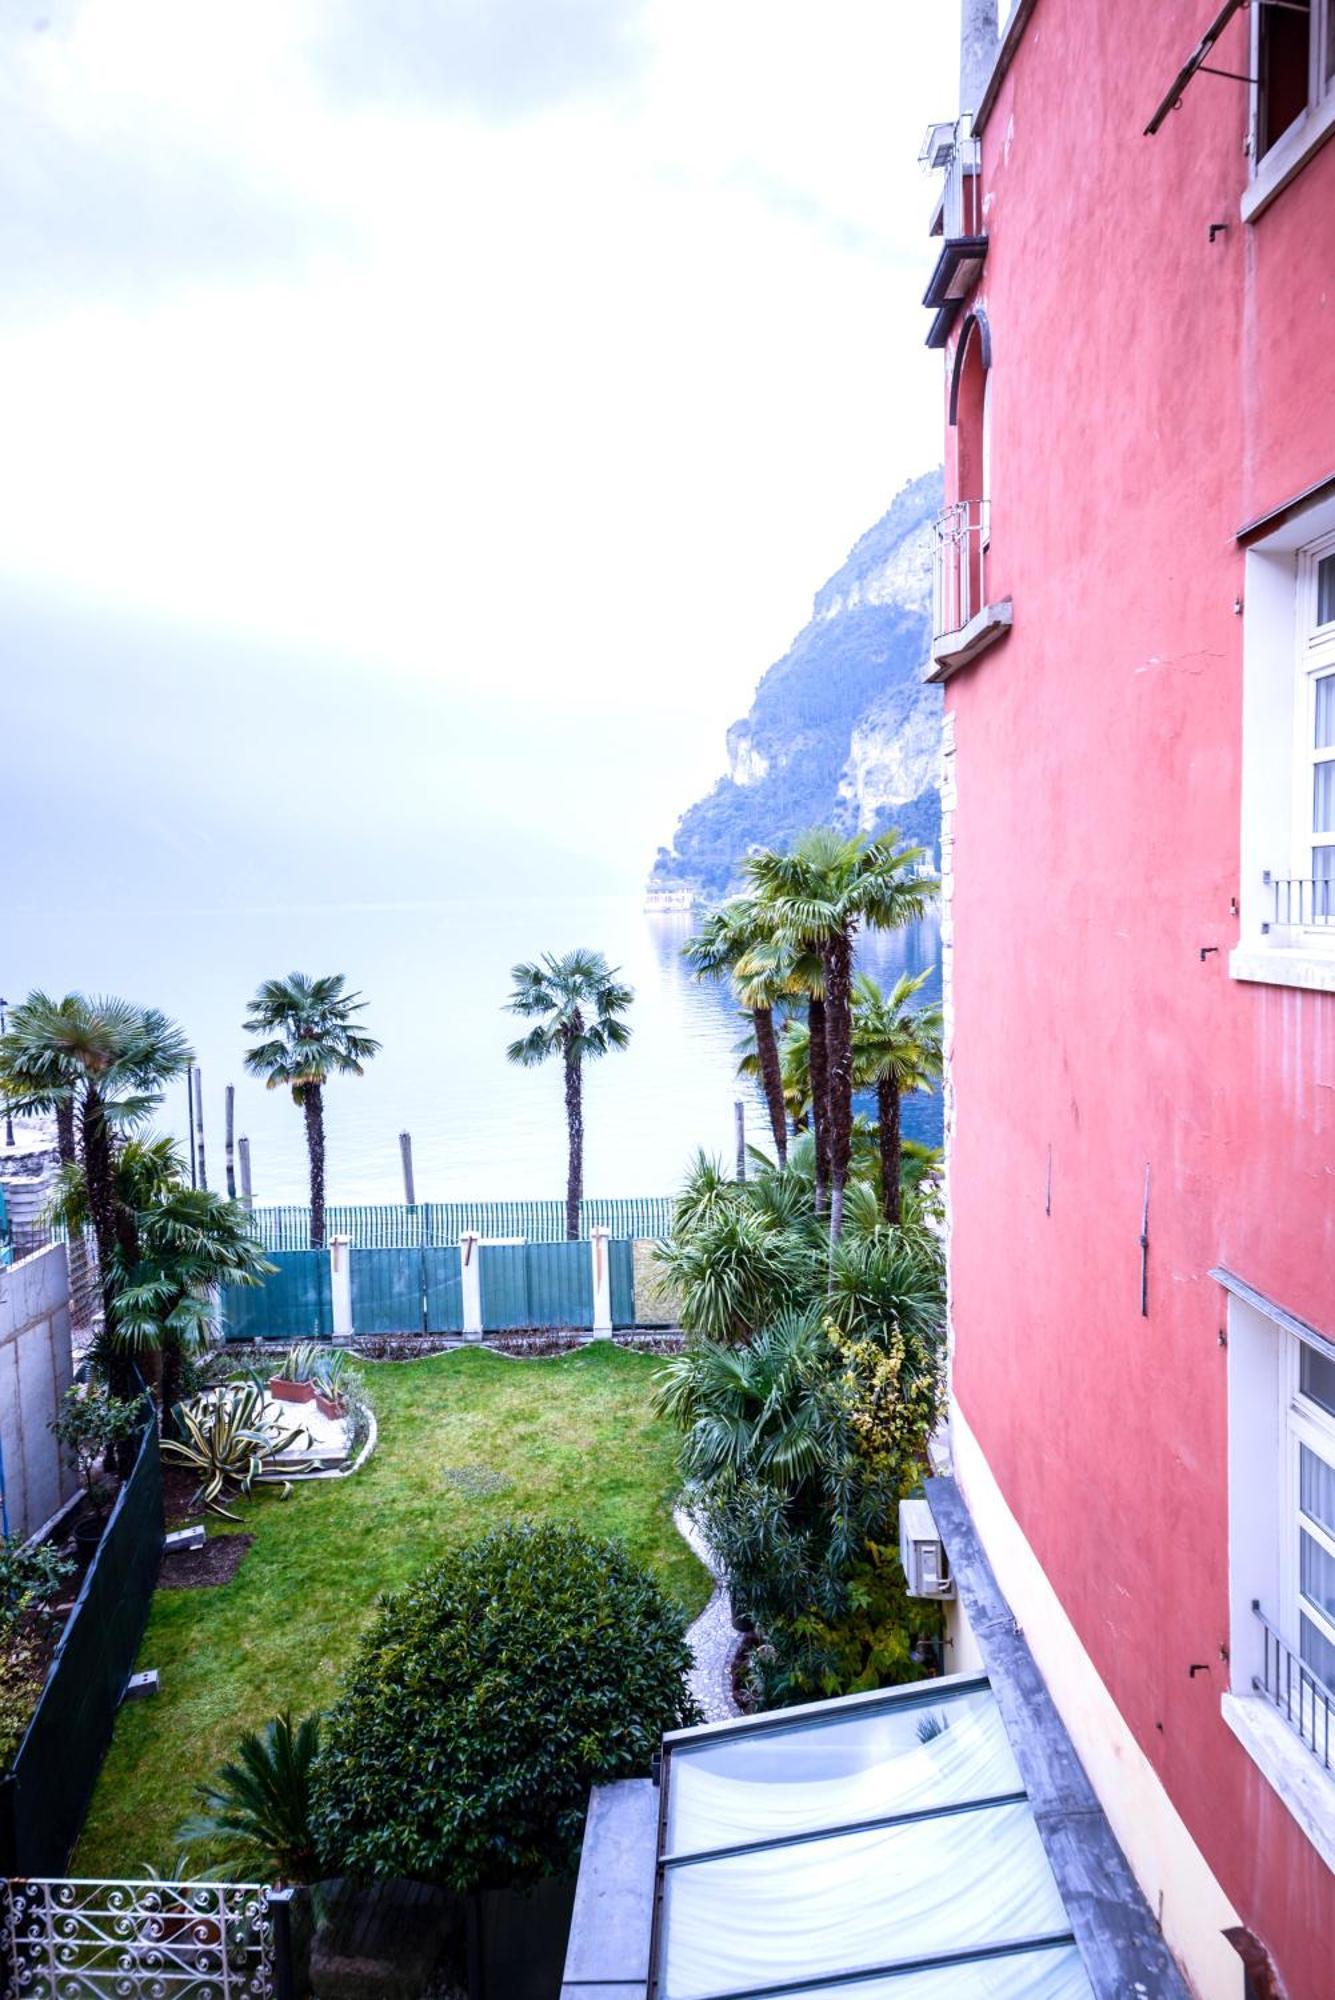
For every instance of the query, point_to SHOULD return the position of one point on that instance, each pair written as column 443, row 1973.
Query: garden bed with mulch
column 201, row 1569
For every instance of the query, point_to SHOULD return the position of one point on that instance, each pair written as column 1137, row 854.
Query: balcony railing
column 961, row 208
column 1300, row 902
column 959, row 568
column 1302, row 1697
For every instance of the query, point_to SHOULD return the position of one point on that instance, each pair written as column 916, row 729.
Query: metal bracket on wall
column 1145, row 1251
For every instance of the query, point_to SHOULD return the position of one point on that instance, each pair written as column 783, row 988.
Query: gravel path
column 712, row 1638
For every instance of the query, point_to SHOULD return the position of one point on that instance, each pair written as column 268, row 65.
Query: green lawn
column 575, row 1438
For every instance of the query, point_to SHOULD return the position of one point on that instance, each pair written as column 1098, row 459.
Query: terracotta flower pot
column 284, row 1391
column 330, row 1406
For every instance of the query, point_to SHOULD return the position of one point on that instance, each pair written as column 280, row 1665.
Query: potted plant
column 295, row 1380
column 90, row 1425
column 330, row 1371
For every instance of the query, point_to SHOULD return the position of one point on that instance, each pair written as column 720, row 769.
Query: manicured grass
column 576, row 1438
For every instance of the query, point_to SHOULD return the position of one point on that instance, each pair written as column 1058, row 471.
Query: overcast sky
column 421, row 421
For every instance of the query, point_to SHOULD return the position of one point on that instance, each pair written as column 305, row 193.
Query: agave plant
column 228, row 1437
column 303, row 1362
column 330, row 1373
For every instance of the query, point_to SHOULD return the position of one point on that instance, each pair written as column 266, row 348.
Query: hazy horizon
column 424, row 425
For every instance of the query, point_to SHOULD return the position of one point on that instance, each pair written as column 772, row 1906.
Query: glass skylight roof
column 879, row 1847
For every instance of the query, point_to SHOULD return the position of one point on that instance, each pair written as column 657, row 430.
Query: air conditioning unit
column 922, row 1552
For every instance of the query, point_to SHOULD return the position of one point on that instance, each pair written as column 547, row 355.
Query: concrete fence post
column 470, row 1275
column 340, row 1285
column 601, row 1260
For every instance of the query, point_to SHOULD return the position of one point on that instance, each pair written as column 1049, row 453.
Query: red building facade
column 1136, row 631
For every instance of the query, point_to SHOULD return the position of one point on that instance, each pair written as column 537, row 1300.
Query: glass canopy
column 877, row 1846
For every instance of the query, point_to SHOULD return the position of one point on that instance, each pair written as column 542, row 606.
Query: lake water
column 435, row 977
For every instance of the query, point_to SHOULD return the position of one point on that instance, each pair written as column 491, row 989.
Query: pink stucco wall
column 1151, row 391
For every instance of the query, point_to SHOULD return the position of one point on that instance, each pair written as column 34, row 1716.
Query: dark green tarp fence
column 421, row 1291
column 294, row 1302
column 45, row 1795
column 407, row 1291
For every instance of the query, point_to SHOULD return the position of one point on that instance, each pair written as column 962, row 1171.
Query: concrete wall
column 1152, row 388
column 35, row 1371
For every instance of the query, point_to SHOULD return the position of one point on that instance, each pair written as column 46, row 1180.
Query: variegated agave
column 230, row 1438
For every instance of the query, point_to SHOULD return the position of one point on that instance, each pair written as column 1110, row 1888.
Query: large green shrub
column 487, row 1699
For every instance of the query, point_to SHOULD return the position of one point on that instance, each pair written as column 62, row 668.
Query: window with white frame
column 1280, row 1702
column 1293, row 51
column 1311, row 903
column 1288, row 755
column 1309, row 1582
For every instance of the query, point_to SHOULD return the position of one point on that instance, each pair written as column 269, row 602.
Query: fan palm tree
column 189, row 1241
column 896, row 1048
column 799, row 973
column 312, row 1036
column 819, row 895
column 577, row 1002
column 757, row 1408
column 99, row 1065
column 720, row 949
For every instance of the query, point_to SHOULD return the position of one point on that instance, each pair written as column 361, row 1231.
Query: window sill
column 1282, row 965
column 1287, row 157
column 953, row 650
column 1288, row 1766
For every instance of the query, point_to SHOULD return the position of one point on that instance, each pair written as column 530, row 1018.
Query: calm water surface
column 435, row 977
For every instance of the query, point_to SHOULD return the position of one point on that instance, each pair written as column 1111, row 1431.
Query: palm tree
column 580, row 1001
column 896, row 1048
column 99, row 1064
column 819, row 895
column 189, row 1242
column 799, row 974
column 722, row 947
column 255, row 1817
column 312, row 1037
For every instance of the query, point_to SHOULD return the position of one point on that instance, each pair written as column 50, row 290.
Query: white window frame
column 1285, row 653
column 1315, row 662
column 1268, row 1419
column 1306, row 1423
column 1291, row 150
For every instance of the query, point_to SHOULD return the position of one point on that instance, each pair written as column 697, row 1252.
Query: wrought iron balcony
column 1300, row 902
column 964, row 623
column 1302, row 1697
column 959, row 566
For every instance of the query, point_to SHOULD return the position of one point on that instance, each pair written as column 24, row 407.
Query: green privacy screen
column 420, row 1290
column 293, row 1303
column 536, row 1284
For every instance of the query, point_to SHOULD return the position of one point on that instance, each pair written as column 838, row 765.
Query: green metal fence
column 436, row 1223
column 45, row 1795
column 407, row 1291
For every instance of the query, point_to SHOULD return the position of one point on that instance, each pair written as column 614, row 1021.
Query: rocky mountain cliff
column 842, row 729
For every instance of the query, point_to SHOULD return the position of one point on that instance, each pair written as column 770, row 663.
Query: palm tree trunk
column 66, row 1143
column 115, row 1231
column 887, row 1128
column 820, row 1119
column 838, row 960
column 771, row 1076
column 575, row 1131
column 312, row 1103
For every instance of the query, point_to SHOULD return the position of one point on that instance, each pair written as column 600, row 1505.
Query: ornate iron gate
column 86, row 1940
